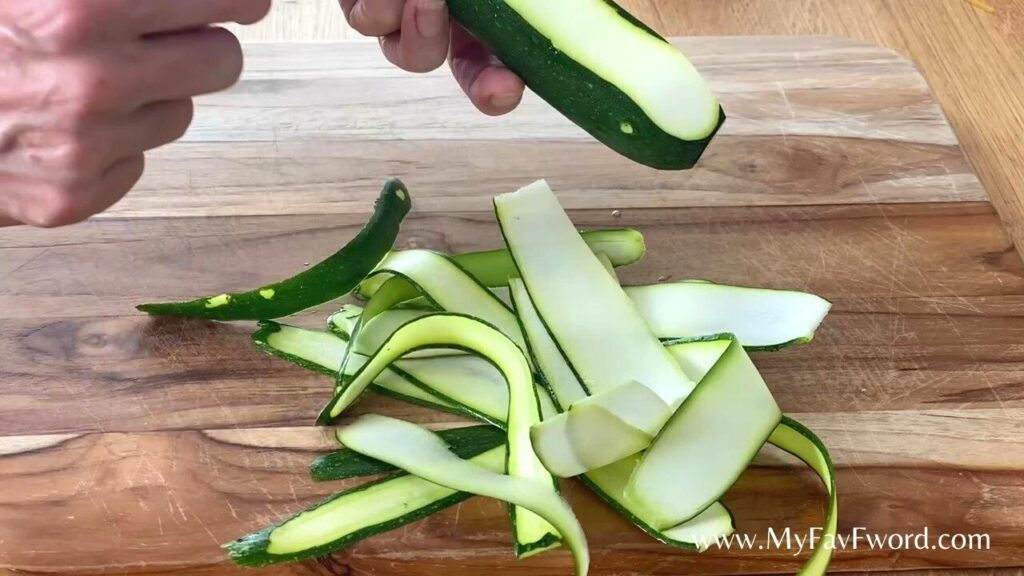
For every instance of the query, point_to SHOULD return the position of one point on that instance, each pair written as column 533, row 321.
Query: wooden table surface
column 132, row 446
column 973, row 60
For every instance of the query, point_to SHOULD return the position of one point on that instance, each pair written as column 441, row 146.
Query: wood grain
column 141, row 445
column 973, row 60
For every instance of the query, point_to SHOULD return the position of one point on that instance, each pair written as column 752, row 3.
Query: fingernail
column 431, row 18
column 504, row 101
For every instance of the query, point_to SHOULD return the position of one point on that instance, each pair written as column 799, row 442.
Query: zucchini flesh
column 609, row 482
column 353, row 515
column 492, row 268
column 464, row 384
column 470, row 382
column 376, row 332
column 800, row 441
column 424, row 454
column 706, row 445
column 300, row 346
column 600, row 430
column 594, row 323
column 618, row 80
column 561, row 380
column 332, row 278
column 465, row 442
column 322, row 352
column 456, row 331
column 760, row 319
column 343, row 321
column 444, row 284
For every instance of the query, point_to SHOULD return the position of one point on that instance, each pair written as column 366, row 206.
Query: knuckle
column 69, row 23
column 90, row 88
column 78, row 160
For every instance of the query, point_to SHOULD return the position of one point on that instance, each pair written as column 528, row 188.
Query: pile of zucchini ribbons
column 644, row 393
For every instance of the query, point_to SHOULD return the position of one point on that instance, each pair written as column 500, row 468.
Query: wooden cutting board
column 131, row 445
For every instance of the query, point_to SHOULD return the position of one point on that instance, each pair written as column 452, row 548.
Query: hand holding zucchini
column 634, row 390
column 604, row 70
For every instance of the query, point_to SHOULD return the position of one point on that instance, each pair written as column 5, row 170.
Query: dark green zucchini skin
column 251, row 550
column 330, row 279
column 268, row 327
column 465, row 443
column 468, row 442
column 591, row 102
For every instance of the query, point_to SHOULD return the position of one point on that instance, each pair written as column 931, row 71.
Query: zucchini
column 470, row 382
column 492, row 268
column 798, row 440
column 562, row 382
column 478, row 389
column 343, row 464
column 354, row 515
column 456, row 331
column 379, row 329
column 595, row 325
column 760, row 319
column 343, row 321
column 605, row 71
column 322, row 352
column 303, row 346
column 707, row 444
column 609, row 483
column 424, row 454
column 422, row 272
column 600, row 430
column 330, row 279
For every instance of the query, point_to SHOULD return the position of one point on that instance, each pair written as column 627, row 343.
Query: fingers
column 156, row 16
column 117, row 181
column 48, row 205
column 422, row 43
column 178, row 66
column 374, row 17
column 151, row 126
column 493, row 88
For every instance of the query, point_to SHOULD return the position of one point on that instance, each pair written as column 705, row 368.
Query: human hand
column 87, row 86
column 417, row 35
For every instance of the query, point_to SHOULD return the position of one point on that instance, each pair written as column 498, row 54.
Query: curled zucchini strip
column 330, row 279
column 800, row 441
column 310, row 349
column 471, row 334
column 423, row 454
column 323, row 351
column 708, row 442
column 422, row 272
